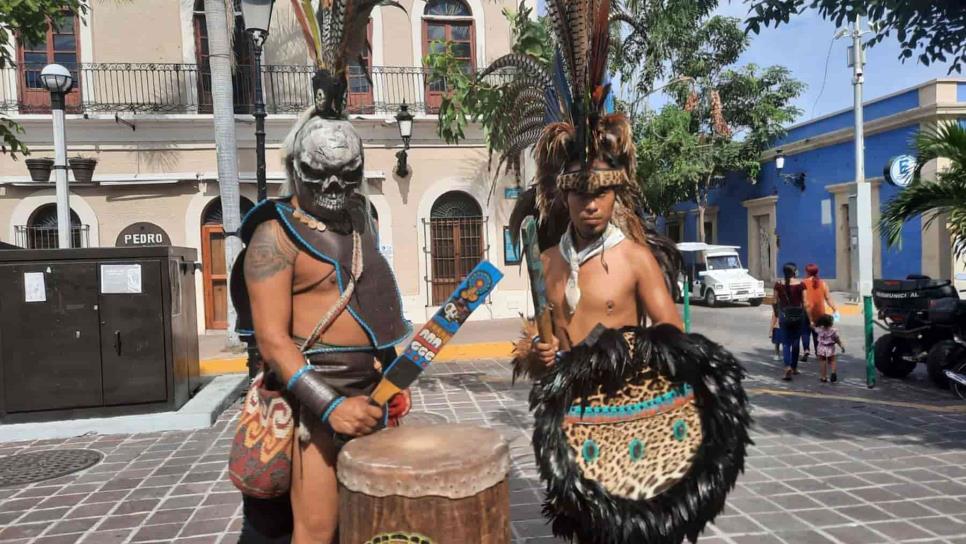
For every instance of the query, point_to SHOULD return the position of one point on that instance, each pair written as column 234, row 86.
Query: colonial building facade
column 142, row 107
column 807, row 212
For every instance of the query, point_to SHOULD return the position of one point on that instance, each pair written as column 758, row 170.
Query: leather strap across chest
column 375, row 304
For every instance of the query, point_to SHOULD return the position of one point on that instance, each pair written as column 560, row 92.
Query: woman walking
column 789, row 295
column 817, row 304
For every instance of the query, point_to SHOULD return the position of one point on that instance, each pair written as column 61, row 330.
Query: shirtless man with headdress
column 313, row 289
column 640, row 431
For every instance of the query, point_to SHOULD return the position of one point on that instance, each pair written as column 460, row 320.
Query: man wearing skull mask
column 319, row 299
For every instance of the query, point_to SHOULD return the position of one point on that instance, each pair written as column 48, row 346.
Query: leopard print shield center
column 639, row 442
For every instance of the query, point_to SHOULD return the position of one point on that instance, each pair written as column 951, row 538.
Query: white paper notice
column 120, row 279
column 827, row 212
column 35, row 289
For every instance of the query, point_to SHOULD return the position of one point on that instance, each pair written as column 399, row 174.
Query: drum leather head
column 449, row 460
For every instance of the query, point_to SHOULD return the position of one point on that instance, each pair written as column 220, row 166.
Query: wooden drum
column 425, row 484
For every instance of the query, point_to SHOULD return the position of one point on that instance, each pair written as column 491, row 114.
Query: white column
column 863, row 188
column 60, row 175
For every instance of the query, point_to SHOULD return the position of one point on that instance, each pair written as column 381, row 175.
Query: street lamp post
column 58, row 81
column 863, row 199
column 258, row 15
column 404, row 120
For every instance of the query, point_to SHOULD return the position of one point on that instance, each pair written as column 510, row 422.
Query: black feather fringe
column 582, row 509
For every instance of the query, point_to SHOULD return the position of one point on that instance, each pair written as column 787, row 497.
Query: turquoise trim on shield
column 590, row 451
column 680, row 430
column 636, row 450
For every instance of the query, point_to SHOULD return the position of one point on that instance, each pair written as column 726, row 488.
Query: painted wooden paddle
column 427, row 343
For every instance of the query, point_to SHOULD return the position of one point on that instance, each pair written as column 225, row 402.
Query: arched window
column 214, row 272
column 41, row 232
column 448, row 22
column 456, row 241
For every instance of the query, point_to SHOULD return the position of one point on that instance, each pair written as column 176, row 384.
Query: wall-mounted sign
column 511, row 251
column 120, row 279
column 899, row 171
column 142, row 234
column 512, row 193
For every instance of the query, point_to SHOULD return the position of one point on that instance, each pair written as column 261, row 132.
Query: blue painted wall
column 802, row 238
column 873, row 110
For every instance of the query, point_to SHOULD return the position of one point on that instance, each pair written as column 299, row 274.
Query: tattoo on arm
column 269, row 252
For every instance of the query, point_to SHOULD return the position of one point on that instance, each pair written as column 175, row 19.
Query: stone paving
column 859, row 469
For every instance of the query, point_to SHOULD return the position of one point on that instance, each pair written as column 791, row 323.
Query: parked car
column 715, row 275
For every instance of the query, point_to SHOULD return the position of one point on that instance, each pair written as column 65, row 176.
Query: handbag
column 260, row 462
column 792, row 316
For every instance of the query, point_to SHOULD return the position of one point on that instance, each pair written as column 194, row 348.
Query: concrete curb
column 198, row 413
column 450, row 354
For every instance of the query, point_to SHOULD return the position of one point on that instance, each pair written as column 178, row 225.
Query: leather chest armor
column 375, row 304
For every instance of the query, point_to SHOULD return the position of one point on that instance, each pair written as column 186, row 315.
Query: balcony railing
column 31, row 237
column 186, row 88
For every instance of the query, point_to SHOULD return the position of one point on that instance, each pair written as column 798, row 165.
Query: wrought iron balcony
column 186, row 88
column 46, row 237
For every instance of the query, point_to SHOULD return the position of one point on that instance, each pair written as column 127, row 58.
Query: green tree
column 936, row 29
column 27, row 22
column 651, row 34
column 943, row 198
column 735, row 113
column 671, row 159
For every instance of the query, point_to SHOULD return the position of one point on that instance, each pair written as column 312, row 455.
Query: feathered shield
column 640, row 436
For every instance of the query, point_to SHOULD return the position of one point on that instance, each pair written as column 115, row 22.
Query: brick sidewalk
column 836, row 471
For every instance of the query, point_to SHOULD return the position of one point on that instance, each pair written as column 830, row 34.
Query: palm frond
column 941, row 199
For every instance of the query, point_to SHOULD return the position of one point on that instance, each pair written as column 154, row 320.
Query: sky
column 802, row 46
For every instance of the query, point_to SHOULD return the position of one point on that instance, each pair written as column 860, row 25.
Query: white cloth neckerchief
column 611, row 237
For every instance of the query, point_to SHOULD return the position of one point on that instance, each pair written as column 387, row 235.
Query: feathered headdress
column 563, row 111
column 336, row 36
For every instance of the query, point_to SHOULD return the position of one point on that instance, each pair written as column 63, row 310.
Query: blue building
column 774, row 221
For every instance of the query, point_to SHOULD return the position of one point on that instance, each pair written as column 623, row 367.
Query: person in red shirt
column 789, row 295
column 817, row 303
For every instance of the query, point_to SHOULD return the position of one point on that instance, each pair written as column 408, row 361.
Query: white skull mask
column 327, row 163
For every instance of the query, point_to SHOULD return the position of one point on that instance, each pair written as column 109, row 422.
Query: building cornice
column 931, row 112
column 850, row 186
column 186, row 131
column 878, row 99
column 760, row 202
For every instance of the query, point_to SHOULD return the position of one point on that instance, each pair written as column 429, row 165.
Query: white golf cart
column 715, row 275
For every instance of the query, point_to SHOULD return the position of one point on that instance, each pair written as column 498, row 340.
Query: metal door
column 50, row 345
column 853, row 226
column 132, row 332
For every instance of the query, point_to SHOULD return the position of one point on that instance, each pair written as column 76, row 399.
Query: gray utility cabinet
column 96, row 332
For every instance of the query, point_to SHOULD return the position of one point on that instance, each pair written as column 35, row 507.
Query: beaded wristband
column 295, row 377
column 332, row 406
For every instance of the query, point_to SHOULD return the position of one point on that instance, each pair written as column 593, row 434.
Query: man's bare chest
column 311, row 275
column 604, row 287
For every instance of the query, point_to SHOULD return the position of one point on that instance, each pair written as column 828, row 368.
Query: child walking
column 776, row 333
column 828, row 337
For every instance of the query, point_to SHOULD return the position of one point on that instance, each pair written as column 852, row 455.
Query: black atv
column 903, row 307
column 948, row 355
